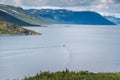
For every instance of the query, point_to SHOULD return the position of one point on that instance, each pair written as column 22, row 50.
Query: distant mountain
column 62, row 16
column 113, row 19
column 7, row 28
column 20, row 15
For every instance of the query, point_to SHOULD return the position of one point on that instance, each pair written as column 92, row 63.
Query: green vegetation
column 2, row 22
column 72, row 75
column 11, row 29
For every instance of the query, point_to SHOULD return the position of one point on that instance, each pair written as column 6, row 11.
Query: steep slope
column 70, row 17
column 7, row 28
column 13, row 19
column 20, row 14
column 113, row 19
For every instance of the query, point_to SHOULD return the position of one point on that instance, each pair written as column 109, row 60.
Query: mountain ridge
column 20, row 14
column 113, row 19
column 13, row 19
column 64, row 16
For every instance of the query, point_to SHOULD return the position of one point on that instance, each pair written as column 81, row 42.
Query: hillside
column 113, row 19
column 70, row 17
column 7, row 28
column 20, row 14
column 13, row 19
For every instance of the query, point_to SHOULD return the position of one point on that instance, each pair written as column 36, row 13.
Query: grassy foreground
column 72, row 75
column 7, row 28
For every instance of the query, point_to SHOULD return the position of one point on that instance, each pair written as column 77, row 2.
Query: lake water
column 76, row 47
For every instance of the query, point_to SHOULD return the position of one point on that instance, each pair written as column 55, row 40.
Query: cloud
column 18, row 2
column 57, row 3
column 11, row 2
column 103, row 6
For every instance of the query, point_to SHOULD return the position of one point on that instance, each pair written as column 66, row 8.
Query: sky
column 104, row 7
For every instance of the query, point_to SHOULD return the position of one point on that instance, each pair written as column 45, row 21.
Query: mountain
column 62, row 16
column 7, row 28
column 113, row 19
column 20, row 16
column 13, row 19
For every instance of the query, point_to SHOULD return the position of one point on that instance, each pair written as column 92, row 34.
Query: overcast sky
column 105, row 7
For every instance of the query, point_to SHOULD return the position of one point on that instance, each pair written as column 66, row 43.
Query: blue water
column 76, row 47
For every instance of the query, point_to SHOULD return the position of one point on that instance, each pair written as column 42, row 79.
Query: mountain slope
column 7, row 28
column 113, row 19
column 20, row 14
column 13, row 19
column 70, row 17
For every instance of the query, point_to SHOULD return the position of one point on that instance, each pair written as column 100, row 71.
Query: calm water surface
column 76, row 47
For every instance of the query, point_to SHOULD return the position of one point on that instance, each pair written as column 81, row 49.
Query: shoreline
column 75, row 75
